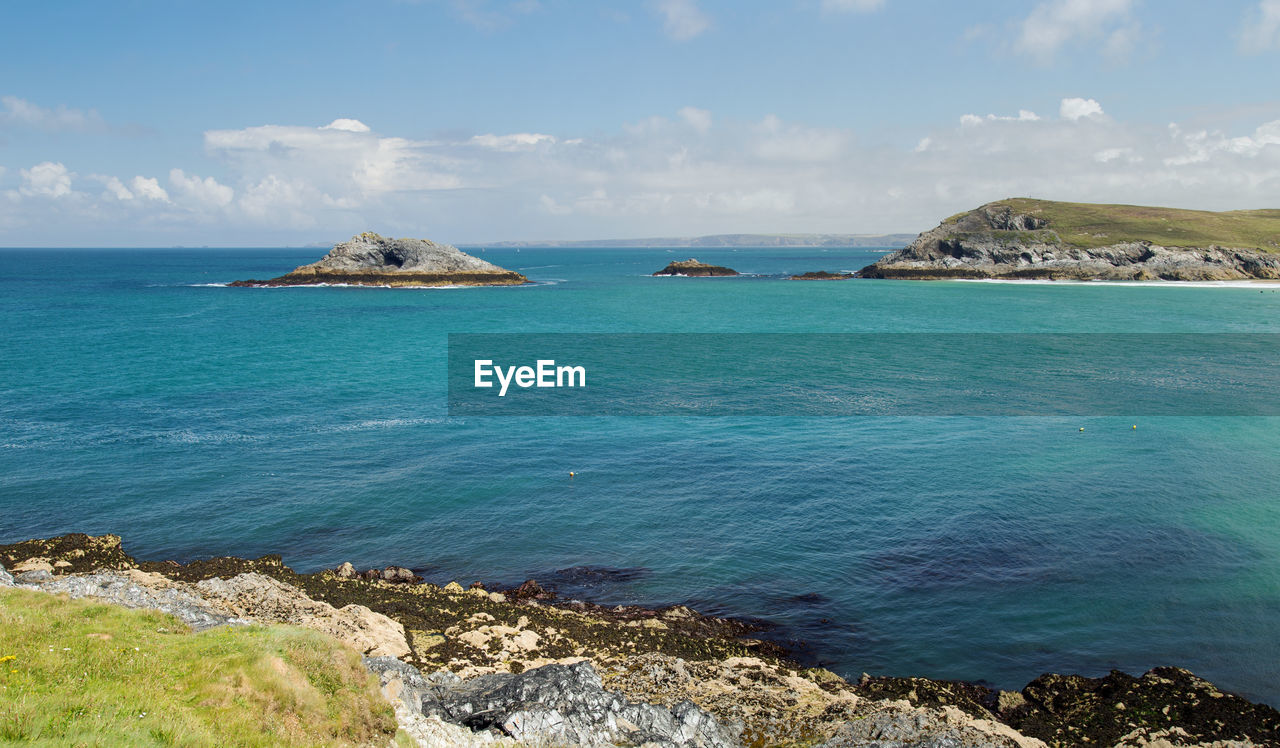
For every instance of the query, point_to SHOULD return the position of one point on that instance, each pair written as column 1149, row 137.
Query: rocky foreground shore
column 523, row 667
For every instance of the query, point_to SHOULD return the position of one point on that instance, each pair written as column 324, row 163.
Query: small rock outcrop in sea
column 694, row 269
column 371, row 260
column 1022, row 238
column 822, row 275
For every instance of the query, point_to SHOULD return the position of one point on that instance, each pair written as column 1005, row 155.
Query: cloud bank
column 685, row 173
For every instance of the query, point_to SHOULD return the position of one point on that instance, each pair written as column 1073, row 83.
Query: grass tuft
column 83, row 673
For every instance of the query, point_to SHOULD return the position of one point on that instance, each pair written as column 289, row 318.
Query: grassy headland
column 1098, row 225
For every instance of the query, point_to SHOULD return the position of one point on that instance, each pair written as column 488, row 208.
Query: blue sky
column 160, row 123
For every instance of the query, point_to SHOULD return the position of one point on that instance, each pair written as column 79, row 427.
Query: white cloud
column 47, row 179
column 854, row 6
column 698, row 119
column 148, row 188
column 1074, row 109
column 20, row 112
column 1053, row 24
column 682, row 19
column 115, row 187
column 514, row 142
column 661, row 176
column 205, row 192
column 1024, row 115
column 347, row 125
column 1261, row 32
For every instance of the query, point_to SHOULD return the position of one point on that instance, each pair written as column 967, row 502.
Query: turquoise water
column 200, row 420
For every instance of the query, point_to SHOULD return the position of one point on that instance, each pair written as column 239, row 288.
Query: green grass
column 77, row 673
column 1089, row 225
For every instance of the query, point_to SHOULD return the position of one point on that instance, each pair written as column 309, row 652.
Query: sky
column 178, row 122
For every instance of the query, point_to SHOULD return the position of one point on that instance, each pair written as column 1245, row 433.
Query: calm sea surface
column 138, row 398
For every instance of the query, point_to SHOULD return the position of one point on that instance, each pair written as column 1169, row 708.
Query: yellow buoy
column 1135, row 427
column 1082, row 428
column 571, row 473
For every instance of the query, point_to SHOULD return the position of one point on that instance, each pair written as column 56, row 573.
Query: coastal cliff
column 523, row 667
column 1022, row 238
column 371, row 260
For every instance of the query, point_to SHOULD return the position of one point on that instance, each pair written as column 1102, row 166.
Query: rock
column 822, row 275
column 1004, row 240
column 453, row 588
column 262, row 598
column 82, row 553
column 567, row 704
column 6, row 579
column 33, row 564
column 900, row 726
column 1065, row 707
column 476, row 586
column 345, row 571
column 37, row 576
column 371, row 260
column 405, row 687
column 692, row 268
column 400, row 575
column 136, row 589
column 530, row 590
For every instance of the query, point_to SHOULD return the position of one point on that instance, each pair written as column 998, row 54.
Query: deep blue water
column 199, row 420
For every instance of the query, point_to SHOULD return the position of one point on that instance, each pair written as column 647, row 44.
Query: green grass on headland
column 1090, row 225
column 74, row 672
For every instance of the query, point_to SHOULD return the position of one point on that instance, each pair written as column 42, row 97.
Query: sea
column 141, row 396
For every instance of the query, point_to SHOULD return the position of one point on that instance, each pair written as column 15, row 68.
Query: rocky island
column 1023, row 238
column 694, row 269
column 822, row 275
column 371, row 260
column 520, row 666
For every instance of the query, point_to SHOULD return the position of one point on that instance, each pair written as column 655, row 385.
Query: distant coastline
column 717, row 240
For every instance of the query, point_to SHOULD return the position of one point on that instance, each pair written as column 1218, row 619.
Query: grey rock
column 38, row 576
column 567, row 704
column 915, row 728
column 399, row 575
column 369, row 252
column 345, row 571
column 6, row 579
column 120, row 589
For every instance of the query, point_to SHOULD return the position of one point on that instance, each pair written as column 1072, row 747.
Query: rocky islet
column 369, row 259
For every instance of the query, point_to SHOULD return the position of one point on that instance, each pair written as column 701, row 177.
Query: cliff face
column 372, row 260
column 1035, row 239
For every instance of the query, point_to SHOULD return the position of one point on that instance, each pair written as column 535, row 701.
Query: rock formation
column 1026, row 239
column 822, row 275
column 694, row 269
column 371, row 260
